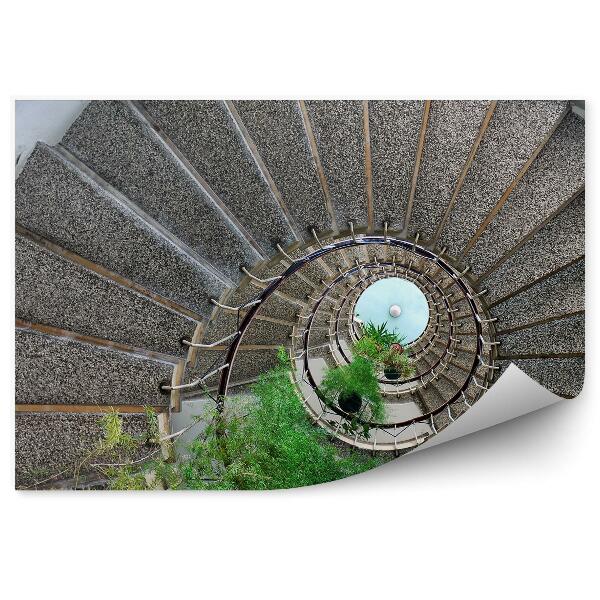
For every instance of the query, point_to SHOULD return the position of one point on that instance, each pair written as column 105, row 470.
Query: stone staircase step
column 53, row 290
column 560, row 242
column 53, row 443
column 452, row 128
column 207, row 135
column 554, row 176
column 248, row 364
column 267, row 333
column 59, row 202
column 515, row 131
column 112, row 140
column 394, row 128
column 277, row 129
column 61, row 370
column 563, row 336
column 562, row 376
column 560, row 294
column 338, row 129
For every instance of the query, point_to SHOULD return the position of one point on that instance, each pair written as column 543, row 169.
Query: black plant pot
column 391, row 373
column 350, row 402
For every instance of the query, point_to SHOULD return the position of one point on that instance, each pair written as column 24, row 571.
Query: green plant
column 368, row 348
column 398, row 360
column 384, row 349
column 357, row 377
column 263, row 442
column 381, row 336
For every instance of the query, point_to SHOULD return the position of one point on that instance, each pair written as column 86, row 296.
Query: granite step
column 206, row 133
column 452, row 129
column 562, row 376
column 52, row 290
column 248, row 364
column 54, row 369
column 338, row 129
column 51, row 444
column 560, row 294
column 554, row 176
column 268, row 333
column 114, row 141
column 516, row 130
column 563, row 336
column 559, row 243
column 59, row 202
column 277, row 129
column 394, row 128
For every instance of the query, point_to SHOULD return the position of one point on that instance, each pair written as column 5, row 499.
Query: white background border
column 507, row 512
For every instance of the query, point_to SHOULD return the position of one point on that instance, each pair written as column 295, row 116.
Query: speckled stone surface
column 53, row 199
column 268, row 333
column 296, row 288
column 560, row 294
column 114, row 143
column 514, row 132
column 248, row 364
column 52, row 370
column 338, row 129
column 431, row 397
column 562, row 376
column 52, row 290
column 556, row 337
column 208, row 137
column 558, row 243
column 277, row 130
column 555, row 175
column 48, row 443
column 394, row 127
column 279, row 308
column 452, row 128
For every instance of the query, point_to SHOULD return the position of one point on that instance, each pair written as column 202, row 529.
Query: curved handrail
column 348, row 243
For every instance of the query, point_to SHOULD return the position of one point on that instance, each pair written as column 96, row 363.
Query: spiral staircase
column 163, row 247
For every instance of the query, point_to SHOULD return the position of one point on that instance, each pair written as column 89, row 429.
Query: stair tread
column 59, row 370
column 48, row 443
column 338, row 129
column 452, row 128
column 206, row 134
column 394, row 128
column 278, row 131
column 52, row 290
column 555, row 175
column 56, row 201
column 111, row 140
column 561, row 376
column 562, row 336
column 514, row 132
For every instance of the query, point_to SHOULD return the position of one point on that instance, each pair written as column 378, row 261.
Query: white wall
column 42, row 120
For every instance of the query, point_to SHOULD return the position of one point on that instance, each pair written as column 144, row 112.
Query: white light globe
column 395, row 310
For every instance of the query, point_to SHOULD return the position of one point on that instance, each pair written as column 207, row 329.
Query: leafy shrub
column 264, row 443
column 356, row 377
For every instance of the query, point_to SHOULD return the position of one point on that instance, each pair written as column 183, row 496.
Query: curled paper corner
column 513, row 395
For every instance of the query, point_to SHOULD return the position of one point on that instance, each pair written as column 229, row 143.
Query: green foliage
column 356, row 377
column 263, row 443
column 368, row 348
column 115, row 441
column 384, row 349
column 381, row 336
column 398, row 360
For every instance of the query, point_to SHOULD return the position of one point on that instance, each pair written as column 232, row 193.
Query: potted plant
column 354, row 387
column 384, row 349
column 396, row 363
